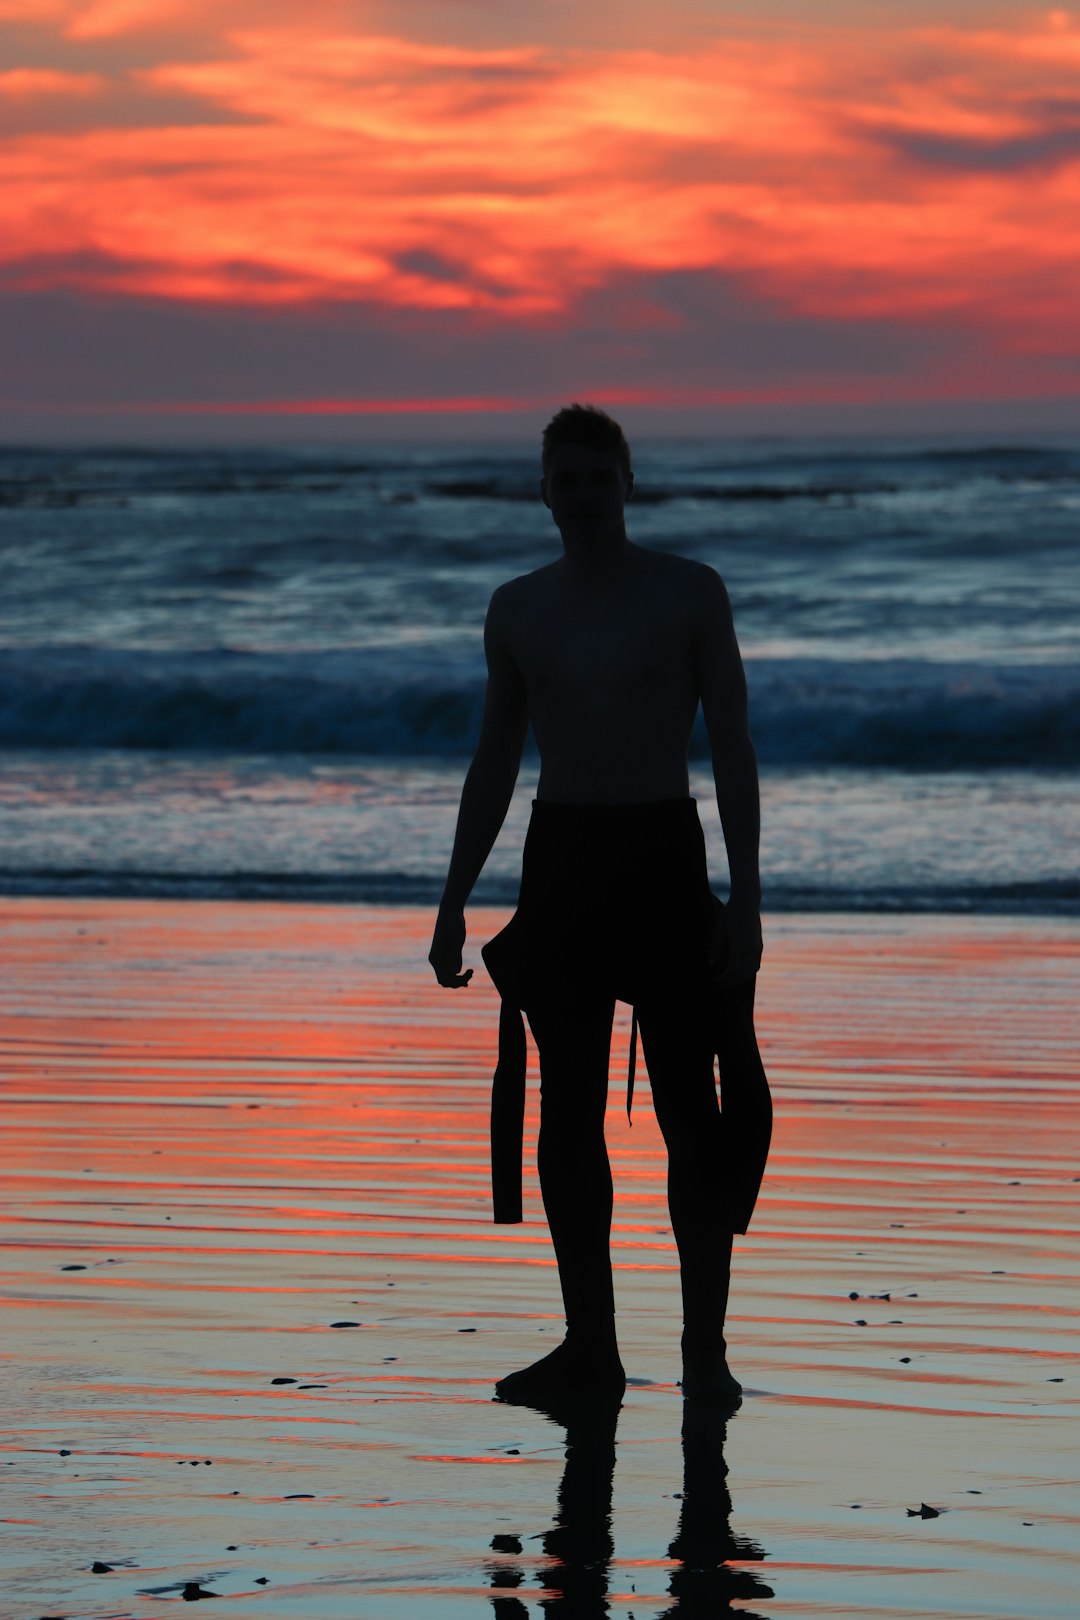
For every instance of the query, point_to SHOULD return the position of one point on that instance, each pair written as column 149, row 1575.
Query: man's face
column 586, row 490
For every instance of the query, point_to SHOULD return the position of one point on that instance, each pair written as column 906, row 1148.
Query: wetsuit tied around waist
column 615, row 902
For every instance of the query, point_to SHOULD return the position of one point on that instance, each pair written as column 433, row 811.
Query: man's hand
column 447, row 945
column 735, row 952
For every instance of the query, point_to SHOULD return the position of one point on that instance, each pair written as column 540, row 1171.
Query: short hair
column 585, row 424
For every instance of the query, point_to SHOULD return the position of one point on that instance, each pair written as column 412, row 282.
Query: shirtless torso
column 608, row 669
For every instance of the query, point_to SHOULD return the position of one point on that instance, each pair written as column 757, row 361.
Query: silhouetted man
column 607, row 652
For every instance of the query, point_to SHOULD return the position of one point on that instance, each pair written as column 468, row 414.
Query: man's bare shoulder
column 683, row 578
column 677, row 567
column 516, row 595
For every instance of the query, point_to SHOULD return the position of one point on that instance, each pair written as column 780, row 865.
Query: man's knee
column 573, row 1109
column 686, row 1104
column 690, row 1137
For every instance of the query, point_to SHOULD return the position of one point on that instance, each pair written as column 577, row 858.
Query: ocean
column 259, row 673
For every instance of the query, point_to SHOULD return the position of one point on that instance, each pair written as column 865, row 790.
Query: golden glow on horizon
column 819, row 391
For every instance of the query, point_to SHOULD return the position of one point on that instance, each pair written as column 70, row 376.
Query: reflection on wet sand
column 230, row 1128
column 708, row 1574
column 708, row 1577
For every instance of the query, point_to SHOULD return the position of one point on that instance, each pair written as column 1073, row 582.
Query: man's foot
column 566, row 1371
column 707, row 1377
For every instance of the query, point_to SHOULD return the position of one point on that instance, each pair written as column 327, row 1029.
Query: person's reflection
column 580, row 1544
column 704, row 1585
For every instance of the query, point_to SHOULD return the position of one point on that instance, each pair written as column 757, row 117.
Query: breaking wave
column 887, row 713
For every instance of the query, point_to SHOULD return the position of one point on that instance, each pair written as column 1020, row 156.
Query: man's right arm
column 486, row 795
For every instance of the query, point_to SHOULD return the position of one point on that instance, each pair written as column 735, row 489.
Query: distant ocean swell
column 886, row 713
column 50, row 479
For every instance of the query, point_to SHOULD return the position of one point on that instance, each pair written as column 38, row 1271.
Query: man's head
column 588, row 477
column 588, row 425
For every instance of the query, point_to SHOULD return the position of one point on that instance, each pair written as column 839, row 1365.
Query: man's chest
column 614, row 652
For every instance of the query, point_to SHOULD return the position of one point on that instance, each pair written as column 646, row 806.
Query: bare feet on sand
column 569, row 1369
column 707, row 1376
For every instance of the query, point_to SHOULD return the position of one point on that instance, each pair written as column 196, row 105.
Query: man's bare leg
column 741, row 1137
column 705, row 1273
column 575, row 1180
column 684, row 1096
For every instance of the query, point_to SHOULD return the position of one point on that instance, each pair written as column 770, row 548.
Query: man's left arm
column 722, row 688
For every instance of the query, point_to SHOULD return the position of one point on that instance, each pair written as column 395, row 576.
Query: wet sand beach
column 255, row 1305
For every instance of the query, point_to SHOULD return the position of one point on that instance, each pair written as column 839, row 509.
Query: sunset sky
column 262, row 218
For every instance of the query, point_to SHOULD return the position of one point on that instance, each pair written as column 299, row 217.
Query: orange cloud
column 24, row 83
column 918, row 173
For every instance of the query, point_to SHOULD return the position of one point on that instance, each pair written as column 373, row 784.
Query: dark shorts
column 614, row 901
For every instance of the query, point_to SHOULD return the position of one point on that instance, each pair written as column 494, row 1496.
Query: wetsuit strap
column 632, row 1067
column 507, row 1115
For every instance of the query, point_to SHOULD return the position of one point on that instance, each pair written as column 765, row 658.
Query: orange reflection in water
column 309, row 1046
column 276, row 1072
